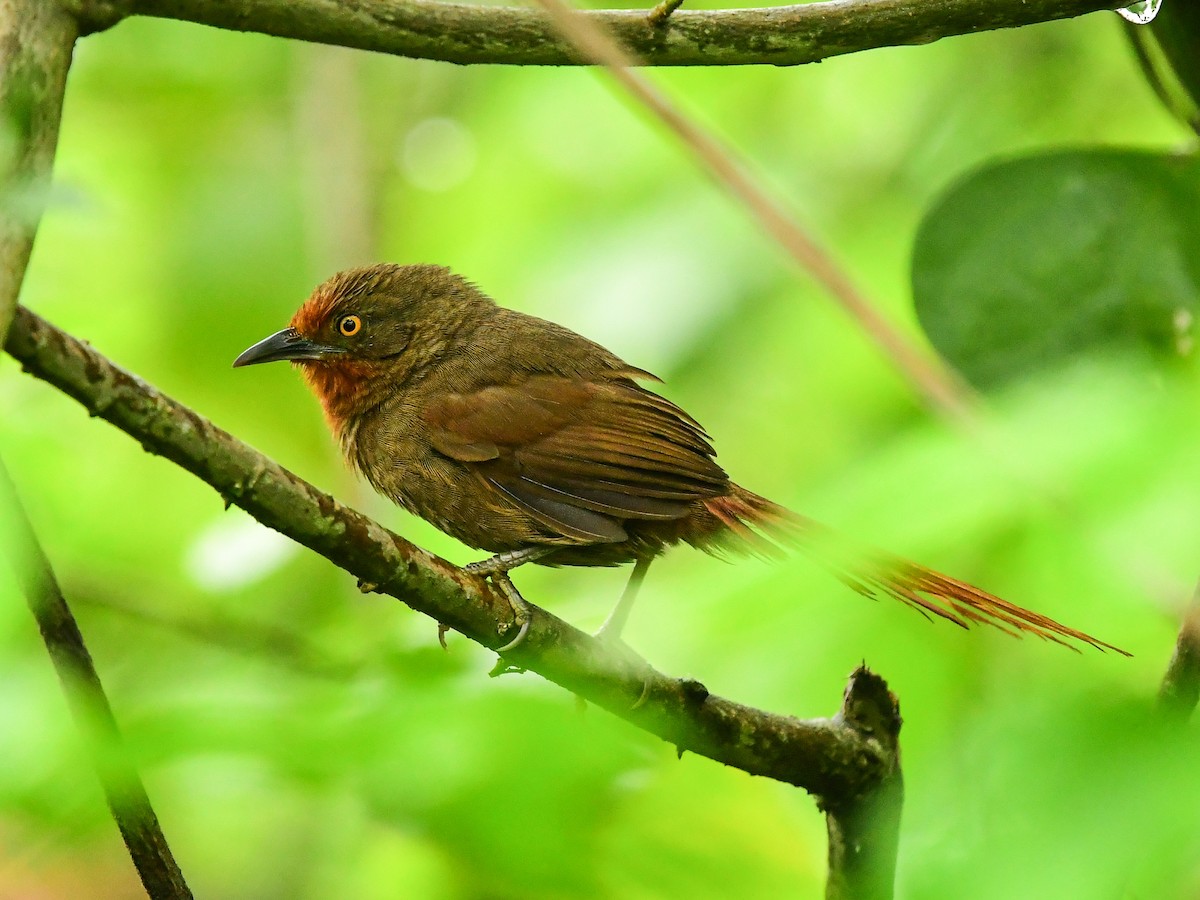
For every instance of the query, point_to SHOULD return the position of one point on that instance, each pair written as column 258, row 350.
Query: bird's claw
column 517, row 640
column 645, row 695
column 611, row 638
column 504, row 668
column 520, row 609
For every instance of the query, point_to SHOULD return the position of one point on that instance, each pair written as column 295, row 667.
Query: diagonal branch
column 126, row 795
column 465, row 33
column 831, row 758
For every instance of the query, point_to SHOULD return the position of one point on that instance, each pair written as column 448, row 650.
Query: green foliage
column 301, row 740
column 1026, row 263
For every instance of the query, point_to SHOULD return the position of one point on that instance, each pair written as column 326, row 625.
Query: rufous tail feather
column 755, row 525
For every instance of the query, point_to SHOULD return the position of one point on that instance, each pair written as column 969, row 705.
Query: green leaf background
column 207, row 180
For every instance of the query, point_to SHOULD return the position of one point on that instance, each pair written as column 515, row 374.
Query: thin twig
column 827, row 757
column 468, row 33
column 123, row 788
column 1180, row 688
column 659, row 15
column 36, row 42
column 931, row 380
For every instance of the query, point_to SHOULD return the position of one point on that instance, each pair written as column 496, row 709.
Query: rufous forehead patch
column 315, row 312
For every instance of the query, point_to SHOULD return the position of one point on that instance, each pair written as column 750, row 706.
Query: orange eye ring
column 350, row 325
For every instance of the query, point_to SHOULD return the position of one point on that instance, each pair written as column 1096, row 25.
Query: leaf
column 1030, row 262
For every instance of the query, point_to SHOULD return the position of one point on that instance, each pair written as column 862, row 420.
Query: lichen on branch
column 482, row 33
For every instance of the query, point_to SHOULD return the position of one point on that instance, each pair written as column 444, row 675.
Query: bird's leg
column 497, row 568
column 610, row 631
column 503, row 562
column 615, row 623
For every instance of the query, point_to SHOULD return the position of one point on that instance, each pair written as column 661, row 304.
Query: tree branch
column 123, row 789
column 864, row 830
column 831, row 758
column 36, row 37
column 462, row 33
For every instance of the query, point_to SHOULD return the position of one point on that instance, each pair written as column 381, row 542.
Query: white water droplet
column 1142, row 12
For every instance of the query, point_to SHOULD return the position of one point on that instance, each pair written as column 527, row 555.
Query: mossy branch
column 468, row 33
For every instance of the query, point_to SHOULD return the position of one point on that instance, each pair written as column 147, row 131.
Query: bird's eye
column 350, row 325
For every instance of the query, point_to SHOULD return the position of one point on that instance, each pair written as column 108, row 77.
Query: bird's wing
column 580, row 457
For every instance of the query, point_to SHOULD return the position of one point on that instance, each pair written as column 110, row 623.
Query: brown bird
column 522, row 438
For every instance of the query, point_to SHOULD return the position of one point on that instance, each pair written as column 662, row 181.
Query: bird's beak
column 286, row 344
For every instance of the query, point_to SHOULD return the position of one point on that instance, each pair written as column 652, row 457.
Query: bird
column 524, row 439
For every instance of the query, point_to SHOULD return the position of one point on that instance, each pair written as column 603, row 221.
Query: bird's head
column 367, row 331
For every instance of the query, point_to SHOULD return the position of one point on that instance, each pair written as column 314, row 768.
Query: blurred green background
column 302, row 740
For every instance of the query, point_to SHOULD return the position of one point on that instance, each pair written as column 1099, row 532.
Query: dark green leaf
column 1030, row 262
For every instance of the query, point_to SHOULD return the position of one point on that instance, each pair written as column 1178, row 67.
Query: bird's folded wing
column 581, row 457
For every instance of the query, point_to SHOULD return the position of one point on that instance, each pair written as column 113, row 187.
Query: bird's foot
column 520, row 609
column 497, row 568
column 609, row 635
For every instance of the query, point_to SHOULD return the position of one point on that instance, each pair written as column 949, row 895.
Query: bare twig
column 659, row 15
column 36, row 37
column 123, row 788
column 827, row 757
column 934, row 382
column 1181, row 685
column 468, row 33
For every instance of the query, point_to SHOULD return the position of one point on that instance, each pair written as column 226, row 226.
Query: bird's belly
column 453, row 499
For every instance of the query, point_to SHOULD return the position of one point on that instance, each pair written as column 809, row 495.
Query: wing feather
column 580, row 457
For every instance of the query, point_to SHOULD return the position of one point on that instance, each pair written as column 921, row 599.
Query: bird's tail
column 752, row 524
